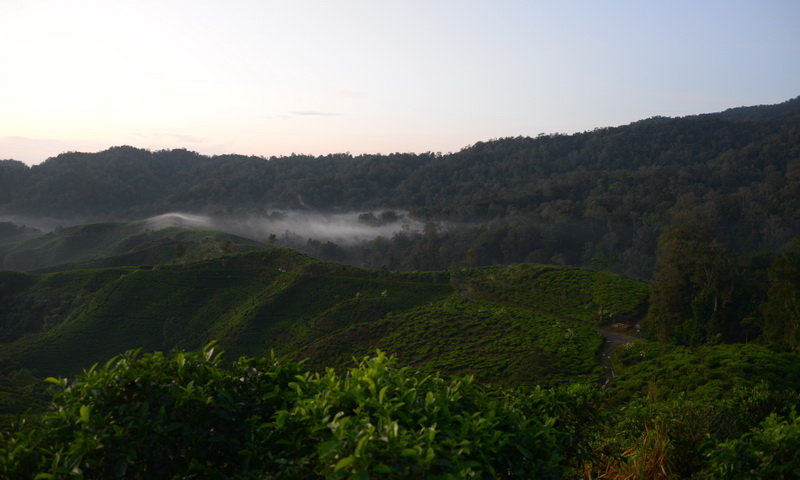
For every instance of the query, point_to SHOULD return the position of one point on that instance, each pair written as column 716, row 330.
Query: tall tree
column 693, row 283
column 780, row 322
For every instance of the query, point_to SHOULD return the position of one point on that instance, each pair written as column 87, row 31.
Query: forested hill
column 487, row 179
column 553, row 198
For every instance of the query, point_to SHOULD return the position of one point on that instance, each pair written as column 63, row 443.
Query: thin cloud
column 346, row 93
column 169, row 137
column 314, row 113
column 189, row 138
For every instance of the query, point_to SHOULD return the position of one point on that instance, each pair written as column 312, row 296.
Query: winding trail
column 614, row 338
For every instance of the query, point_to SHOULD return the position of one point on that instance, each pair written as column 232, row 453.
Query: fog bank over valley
column 362, row 238
column 346, row 228
column 342, row 228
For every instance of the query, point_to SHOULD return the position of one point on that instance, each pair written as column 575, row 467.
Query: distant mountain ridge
column 124, row 181
column 759, row 112
column 550, row 199
column 740, row 114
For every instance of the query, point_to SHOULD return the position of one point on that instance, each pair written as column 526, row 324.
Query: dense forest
column 564, row 199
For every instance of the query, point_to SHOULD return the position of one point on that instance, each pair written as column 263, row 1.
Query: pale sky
column 277, row 77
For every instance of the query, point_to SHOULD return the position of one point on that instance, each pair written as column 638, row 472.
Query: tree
column 693, row 283
column 780, row 323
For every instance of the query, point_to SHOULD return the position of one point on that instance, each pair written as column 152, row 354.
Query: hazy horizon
column 313, row 77
column 179, row 147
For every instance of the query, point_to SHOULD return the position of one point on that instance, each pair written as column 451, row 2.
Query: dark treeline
column 601, row 196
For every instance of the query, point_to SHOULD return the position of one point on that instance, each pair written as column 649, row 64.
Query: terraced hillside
column 58, row 323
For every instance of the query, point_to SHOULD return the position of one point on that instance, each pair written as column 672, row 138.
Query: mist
column 341, row 228
column 346, row 229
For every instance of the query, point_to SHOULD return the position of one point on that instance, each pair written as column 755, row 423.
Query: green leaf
column 409, row 452
column 344, row 463
column 382, row 393
column 362, row 444
column 180, row 359
column 328, row 447
column 85, row 413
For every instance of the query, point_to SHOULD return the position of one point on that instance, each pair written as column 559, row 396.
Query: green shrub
column 767, row 451
column 676, row 435
column 186, row 415
column 704, row 373
column 151, row 416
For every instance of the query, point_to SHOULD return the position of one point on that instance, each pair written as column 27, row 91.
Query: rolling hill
column 113, row 244
column 56, row 324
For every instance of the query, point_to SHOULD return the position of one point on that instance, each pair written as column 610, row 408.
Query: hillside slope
column 59, row 323
column 110, row 244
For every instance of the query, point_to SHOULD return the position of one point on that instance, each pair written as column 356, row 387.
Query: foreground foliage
column 767, row 451
column 722, row 411
column 186, row 415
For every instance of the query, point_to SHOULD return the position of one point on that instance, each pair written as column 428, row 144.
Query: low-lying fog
column 341, row 228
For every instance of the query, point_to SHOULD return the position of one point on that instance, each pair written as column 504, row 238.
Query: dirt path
column 614, row 338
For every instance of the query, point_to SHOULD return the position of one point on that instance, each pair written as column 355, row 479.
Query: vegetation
column 186, row 415
column 767, row 451
column 675, row 411
column 669, row 412
column 705, row 373
column 249, row 302
column 99, row 245
column 780, row 314
column 493, row 342
column 685, row 437
column 589, row 296
column 59, row 323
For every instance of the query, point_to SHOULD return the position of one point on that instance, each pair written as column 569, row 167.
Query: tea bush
column 767, row 451
column 187, row 415
column 678, row 436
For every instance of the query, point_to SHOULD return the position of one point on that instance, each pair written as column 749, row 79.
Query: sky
column 268, row 78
